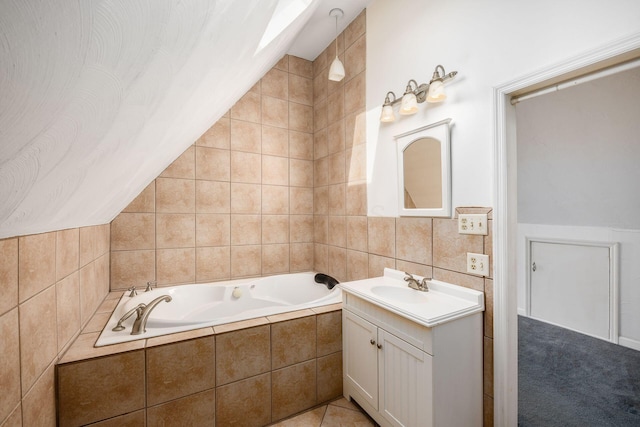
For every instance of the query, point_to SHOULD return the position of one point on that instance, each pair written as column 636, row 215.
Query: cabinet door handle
column 379, row 346
column 372, row 341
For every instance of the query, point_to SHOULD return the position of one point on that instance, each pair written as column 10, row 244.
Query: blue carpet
column 570, row 379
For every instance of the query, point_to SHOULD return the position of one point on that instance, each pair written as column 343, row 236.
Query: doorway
column 505, row 223
column 577, row 152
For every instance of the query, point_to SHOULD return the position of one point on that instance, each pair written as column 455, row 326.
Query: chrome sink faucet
column 413, row 283
column 142, row 312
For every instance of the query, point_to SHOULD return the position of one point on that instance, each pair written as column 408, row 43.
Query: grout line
column 12, row 411
column 324, row 414
column 155, row 236
column 19, row 334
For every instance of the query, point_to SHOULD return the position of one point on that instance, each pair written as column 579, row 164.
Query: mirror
column 424, row 167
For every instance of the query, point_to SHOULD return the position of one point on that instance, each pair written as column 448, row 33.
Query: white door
column 570, row 286
column 405, row 383
column 360, row 354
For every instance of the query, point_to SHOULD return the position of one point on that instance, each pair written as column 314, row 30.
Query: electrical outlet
column 478, row 264
column 472, row 224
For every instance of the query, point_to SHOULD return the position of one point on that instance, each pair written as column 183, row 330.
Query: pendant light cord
column 336, row 36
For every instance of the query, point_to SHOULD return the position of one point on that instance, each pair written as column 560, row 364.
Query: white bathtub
column 208, row 304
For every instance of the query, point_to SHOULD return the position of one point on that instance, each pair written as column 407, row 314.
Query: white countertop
column 443, row 303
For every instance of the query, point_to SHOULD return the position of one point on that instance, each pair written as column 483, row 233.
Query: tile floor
column 339, row 413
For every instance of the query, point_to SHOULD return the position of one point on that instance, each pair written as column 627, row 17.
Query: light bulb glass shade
column 336, row 72
column 387, row 114
column 436, row 92
column 409, row 104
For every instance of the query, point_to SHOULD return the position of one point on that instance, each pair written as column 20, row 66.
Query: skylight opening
column 285, row 13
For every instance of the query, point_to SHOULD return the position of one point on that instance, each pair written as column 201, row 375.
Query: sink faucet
column 142, row 312
column 419, row 285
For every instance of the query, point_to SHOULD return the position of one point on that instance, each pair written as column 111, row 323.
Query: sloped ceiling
column 98, row 97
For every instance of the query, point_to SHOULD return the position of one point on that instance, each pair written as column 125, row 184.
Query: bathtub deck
column 83, row 346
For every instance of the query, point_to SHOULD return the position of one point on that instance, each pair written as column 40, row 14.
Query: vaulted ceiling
column 98, row 97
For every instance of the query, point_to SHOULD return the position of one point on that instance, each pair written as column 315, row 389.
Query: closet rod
column 582, row 79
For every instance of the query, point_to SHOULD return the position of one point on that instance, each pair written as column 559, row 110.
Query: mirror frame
column 440, row 131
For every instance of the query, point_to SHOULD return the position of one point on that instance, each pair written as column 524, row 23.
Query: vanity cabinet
column 389, row 373
column 406, row 374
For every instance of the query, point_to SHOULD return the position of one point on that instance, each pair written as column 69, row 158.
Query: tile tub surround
column 250, row 225
column 238, row 202
column 52, row 284
column 243, row 373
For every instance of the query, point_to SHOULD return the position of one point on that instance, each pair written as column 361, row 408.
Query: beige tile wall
column 279, row 185
column 276, row 185
column 52, row 283
column 237, row 203
column 348, row 244
column 340, row 205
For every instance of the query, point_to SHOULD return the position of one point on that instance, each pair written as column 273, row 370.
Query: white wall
column 578, row 153
column 488, row 43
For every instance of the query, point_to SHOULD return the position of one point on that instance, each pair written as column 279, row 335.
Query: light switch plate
column 478, row 264
column 473, row 224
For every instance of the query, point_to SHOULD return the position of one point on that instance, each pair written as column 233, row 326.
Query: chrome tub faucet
column 142, row 312
column 413, row 283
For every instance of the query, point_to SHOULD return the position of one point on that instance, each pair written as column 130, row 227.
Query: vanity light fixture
column 336, row 71
column 436, row 86
column 409, row 103
column 387, row 108
column 415, row 94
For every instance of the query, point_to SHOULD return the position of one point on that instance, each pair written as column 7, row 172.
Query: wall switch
column 473, row 224
column 478, row 264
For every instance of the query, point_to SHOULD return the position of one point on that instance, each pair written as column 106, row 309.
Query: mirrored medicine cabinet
column 424, row 171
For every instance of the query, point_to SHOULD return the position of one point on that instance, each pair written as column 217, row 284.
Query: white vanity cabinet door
column 405, row 382
column 361, row 356
column 391, row 375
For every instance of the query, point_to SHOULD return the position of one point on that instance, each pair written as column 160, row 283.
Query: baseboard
column 630, row 343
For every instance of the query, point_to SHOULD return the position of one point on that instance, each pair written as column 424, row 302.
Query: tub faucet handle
column 137, row 309
column 150, row 285
column 132, row 292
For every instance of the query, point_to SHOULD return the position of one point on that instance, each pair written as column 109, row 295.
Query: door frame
column 505, row 347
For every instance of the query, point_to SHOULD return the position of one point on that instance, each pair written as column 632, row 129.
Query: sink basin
column 402, row 295
column 443, row 303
